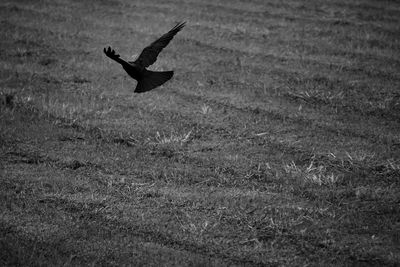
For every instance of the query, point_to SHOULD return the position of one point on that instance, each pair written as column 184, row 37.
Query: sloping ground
column 276, row 143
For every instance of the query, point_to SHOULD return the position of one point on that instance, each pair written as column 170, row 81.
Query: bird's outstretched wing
column 150, row 53
column 110, row 53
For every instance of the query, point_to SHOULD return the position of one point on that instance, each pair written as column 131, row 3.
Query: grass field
column 277, row 142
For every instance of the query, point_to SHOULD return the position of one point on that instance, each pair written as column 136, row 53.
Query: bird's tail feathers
column 152, row 79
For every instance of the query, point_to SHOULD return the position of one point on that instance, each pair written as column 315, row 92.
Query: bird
column 147, row 79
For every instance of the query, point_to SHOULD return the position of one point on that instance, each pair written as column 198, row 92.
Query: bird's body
column 147, row 80
column 134, row 70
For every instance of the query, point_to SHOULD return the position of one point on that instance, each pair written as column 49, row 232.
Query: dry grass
column 276, row 143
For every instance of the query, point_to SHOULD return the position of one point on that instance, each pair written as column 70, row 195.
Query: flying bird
column 147, row 80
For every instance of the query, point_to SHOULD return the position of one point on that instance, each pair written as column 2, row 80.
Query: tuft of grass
column 312, row 173
column 393, row 164
column 318, row 96
column 359, row 157
column 172, row 138
column 205, row 109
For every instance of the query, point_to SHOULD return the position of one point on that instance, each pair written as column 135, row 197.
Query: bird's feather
column 150, row 53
